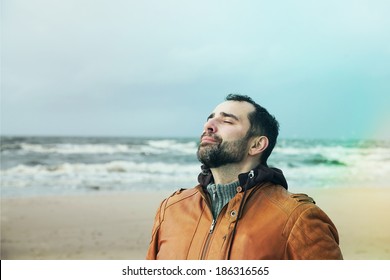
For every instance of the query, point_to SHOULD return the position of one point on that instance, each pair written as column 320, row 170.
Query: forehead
column 240, row 109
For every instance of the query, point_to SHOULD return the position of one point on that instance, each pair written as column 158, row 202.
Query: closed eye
column 229, row 117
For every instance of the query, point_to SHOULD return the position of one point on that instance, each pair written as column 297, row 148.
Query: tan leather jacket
column 272, row 224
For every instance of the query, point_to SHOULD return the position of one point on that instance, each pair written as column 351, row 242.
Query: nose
column 210, row 126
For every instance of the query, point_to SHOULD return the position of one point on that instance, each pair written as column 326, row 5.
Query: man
column 241, row 208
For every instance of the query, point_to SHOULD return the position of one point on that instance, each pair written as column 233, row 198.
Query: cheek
column 232, row 133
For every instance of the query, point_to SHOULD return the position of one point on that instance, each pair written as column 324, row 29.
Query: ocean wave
column 324, row 161
column 116, row 175
column 149, row 147
column 330, row 156
column 73, row 164
column 99, row 169
column 173, row 145
column 75, row 148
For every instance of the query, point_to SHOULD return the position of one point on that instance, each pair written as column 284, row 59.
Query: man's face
column 224, row 140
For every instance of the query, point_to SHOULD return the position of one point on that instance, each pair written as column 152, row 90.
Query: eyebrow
column 225, row 115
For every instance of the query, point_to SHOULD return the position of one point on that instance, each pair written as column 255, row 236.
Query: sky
column 158, row 68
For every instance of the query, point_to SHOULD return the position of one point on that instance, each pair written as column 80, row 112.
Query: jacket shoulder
column 307, row 230
column 181, row 194
column 286, row 200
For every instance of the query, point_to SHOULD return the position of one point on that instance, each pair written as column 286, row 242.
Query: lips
column 209, row 139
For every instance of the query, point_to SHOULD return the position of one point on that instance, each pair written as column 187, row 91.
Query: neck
column 229, row 173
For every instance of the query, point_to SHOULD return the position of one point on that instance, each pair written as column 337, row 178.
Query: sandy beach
column 117, row 226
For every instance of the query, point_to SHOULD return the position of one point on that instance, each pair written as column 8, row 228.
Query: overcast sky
column 158, row 68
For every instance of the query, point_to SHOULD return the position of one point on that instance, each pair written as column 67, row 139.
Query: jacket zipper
column 206, row 245
column 212, row 226
column 204, row 250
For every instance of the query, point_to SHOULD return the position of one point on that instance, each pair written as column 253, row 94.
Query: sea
column 41, row 166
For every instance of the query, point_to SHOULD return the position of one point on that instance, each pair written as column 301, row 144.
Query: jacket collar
column 260, row 174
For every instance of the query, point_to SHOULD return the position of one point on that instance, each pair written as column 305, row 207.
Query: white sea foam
column 106, row 168
column 116, row 174
column 41, row 165
column 172, row 145
column 75, row 148
column 151, row 147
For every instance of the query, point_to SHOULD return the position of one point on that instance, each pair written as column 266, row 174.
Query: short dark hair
column 262, row 124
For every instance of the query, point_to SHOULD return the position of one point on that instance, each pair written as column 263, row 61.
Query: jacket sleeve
column 313, row 237
column 154, row 243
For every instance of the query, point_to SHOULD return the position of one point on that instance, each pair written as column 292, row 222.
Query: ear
column 258, row 145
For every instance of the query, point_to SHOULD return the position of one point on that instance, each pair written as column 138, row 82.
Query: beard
column 221, row 153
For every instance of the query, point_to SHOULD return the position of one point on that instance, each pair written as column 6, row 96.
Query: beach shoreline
column 117, row 226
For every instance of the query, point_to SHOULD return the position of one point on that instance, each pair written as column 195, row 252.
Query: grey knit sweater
column 220, row 195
